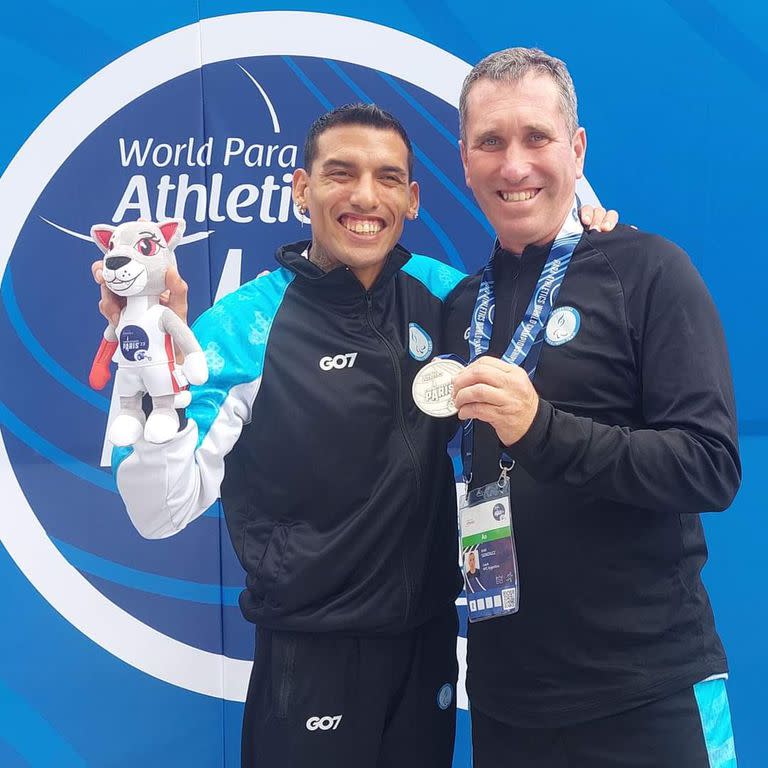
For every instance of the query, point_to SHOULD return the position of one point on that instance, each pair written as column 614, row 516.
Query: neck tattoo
column 325, row 261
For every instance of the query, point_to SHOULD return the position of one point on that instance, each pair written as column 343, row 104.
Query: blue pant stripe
column 715, row 714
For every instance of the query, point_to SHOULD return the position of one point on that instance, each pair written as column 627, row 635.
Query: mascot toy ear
column 173, row 231
column 101, row 234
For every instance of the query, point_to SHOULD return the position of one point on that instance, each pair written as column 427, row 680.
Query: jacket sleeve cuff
column 531, row 446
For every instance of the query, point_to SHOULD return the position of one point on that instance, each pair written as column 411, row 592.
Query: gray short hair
column 512, row 65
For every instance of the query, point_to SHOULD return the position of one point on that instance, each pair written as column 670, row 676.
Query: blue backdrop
column 205, row 121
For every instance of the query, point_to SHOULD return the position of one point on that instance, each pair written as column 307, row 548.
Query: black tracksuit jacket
column 635, row 435
column 338, row 492
column 349, row 522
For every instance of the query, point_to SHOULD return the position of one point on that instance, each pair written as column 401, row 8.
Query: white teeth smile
column 121, row 285
column 518, row 197
column 362, row 227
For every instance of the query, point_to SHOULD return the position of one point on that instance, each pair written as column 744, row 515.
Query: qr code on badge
column 509, row 599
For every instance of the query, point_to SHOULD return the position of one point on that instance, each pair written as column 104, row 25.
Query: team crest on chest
column 419, row 342
column 563, row 325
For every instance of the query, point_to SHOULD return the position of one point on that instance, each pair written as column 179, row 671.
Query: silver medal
column 433, row 388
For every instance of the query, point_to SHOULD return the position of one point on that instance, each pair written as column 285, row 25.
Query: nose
column 516, row 164
column 364, row 195
column 115, row 262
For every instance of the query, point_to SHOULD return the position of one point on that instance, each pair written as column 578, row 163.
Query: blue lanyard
column 525, row 347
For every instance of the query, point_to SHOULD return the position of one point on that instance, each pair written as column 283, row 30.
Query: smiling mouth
column 367, row 227
column 518, row 197
column 121, row 285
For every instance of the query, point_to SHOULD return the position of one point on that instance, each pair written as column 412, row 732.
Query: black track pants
column 690, row 729
column 329, row 701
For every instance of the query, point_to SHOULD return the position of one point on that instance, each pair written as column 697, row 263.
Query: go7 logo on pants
column 326, row 723
column 338, row 362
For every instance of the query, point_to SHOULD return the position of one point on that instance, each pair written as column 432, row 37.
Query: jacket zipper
column 403, row 429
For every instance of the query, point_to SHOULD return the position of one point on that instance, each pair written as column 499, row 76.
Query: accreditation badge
column 489, row 558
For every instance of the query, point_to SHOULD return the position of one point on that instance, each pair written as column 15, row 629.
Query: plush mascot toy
column 137, row 255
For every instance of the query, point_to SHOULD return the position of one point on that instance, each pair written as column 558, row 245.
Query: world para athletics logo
column 163, row 132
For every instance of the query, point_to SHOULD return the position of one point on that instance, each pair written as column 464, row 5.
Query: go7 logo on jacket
column 338, row 362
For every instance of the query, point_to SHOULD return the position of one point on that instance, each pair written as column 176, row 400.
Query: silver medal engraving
column 433, row 387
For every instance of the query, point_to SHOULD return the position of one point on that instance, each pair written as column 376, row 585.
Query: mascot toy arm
column 136, row 257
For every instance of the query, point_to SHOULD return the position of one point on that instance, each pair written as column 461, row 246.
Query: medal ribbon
column 525, row 347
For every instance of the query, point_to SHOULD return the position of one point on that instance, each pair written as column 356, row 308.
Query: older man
column 599, row 391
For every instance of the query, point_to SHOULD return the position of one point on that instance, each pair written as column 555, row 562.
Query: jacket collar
column 530, row 253
column 533, row 256
column 340, row 283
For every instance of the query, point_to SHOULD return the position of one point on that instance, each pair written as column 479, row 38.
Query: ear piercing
column 302, row 210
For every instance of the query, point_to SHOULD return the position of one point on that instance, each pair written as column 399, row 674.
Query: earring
column 415, row 215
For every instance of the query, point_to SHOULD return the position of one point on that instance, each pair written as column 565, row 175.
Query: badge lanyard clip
column 506, row 465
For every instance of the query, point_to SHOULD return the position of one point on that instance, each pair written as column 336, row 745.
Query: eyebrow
column 529, row 128
column 539, row 128
column 339, row 163
column 486, row 134
column 393, row 169
column 336, row 163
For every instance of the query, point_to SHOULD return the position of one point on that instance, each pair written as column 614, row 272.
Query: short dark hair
column 354, row 114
